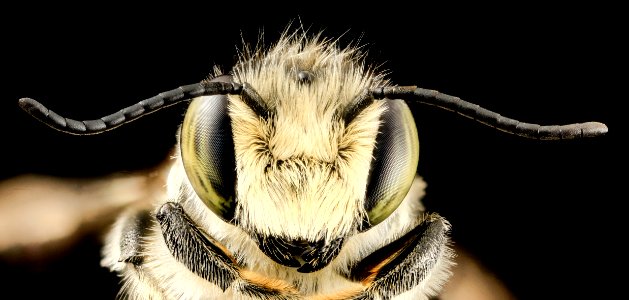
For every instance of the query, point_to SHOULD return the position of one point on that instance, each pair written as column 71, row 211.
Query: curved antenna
column 128, row 114
column 490, row 118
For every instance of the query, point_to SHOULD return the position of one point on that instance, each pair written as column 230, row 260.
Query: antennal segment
column 490, row 118
column 128, row 114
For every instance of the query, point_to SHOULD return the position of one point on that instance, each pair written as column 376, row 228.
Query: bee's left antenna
column 128, row 114
column 490, row 118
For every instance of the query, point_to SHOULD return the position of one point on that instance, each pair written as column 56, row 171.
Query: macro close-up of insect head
column 307, row 157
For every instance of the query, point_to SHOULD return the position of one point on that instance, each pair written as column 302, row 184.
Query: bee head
column 302, row 145
column 303, row 158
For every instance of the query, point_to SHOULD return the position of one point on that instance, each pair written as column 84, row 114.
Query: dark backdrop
column 541, row 215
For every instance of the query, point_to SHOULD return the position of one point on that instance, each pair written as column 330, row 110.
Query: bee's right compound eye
column 207, row 151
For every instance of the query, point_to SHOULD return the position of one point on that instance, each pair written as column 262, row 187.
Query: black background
column 541, row 215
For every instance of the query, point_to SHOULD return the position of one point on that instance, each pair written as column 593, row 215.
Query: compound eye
column 207, row 151
column 394, row 164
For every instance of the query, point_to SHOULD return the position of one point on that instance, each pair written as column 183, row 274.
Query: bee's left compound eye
column 395, row 162
column 207, row 151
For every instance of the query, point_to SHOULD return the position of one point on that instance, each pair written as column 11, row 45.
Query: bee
column 293, row 177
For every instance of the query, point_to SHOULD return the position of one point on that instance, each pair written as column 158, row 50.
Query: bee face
column 305, row 145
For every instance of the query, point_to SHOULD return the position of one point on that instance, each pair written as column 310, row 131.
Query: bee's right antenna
column 128, row 114
column 490, row 118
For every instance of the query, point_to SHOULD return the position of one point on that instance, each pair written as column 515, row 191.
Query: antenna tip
column 594, row 129
column 32, row 106
column 26, row 102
